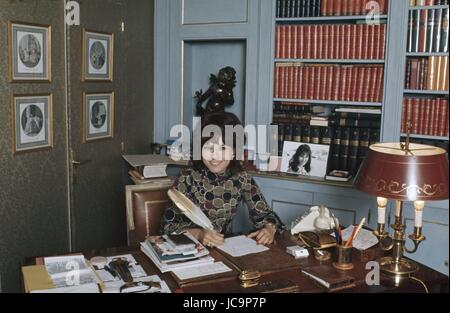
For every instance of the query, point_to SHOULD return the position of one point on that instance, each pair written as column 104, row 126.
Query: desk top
column 290, row 271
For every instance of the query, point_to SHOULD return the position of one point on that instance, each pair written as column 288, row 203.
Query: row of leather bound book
column 426, row 116
column 428, row 30
column 348, row 145
column 427, row 73
column 315, row 8
column 330, row 41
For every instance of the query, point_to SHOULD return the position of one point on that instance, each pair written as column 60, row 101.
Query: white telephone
column 317, row 218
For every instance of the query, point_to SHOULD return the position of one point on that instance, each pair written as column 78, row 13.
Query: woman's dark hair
column 221, row 120
column 294, row 162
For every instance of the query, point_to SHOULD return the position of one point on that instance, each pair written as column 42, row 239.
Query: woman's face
column 216, row 156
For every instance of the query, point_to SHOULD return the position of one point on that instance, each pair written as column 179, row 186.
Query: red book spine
column 276, row 81
column 320, row 36
column 308, row 38
column 311, row 81
column 349, row 89
column 358, row 7
column 365, row 42
column 293, row 42
column 314, row 41
column 351, row 7
column 347, row 41
column 353, row 84
column 324, row 7
column 344, row 7
column 326, row 42
column 277, row 42
column 420, row 128
column 290, row 80
column 426, row 126
column 359, row 41
column 295, row 82
column 323, row 82
column 283, row 81
column 371, row 84
column 380, row 84
column 342, row 37
column 446, row 117
column 301, row 42
column 288, row 41
column 353, row 44
column 360, row 89
column 433, row 113
column 382, row 51
column 306, row 77
column 331, row 42
column 403, row 124
column 382, row 5
column 317, row 82
column 337, row 82
column 409, row 113
column 300, row 82
column 376, row 42
column 416, row 111
column 442, row 117
column 337, row 7
column 282, row 42
column 329, row 79
column 343, row 82
column 436, row 117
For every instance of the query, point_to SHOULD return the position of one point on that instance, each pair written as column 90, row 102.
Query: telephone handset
column 317, row 218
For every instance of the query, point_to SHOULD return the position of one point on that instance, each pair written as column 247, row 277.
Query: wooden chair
column 145, row 206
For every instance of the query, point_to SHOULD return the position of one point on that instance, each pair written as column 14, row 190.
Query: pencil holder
column 343, row 257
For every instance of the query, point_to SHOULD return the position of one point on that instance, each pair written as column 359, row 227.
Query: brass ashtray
column 322, row 255
column 249, row 278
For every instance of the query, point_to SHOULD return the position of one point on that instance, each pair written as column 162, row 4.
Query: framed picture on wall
column 29, row 52
column 32, row 122
column 98, row 56
column 98, row 116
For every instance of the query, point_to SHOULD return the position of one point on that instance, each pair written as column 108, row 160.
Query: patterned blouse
column 218, row 195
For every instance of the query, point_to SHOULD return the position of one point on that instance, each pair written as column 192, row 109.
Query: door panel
column 97, row 191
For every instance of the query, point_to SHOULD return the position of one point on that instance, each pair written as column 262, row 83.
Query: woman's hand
column 264, row 236
column 209, row 238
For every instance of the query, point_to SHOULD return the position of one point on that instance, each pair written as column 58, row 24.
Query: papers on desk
column 85, row 288
column 240, row 246
column 114, row 286
column 68, row 271
column 201, row 270
column 363, row 241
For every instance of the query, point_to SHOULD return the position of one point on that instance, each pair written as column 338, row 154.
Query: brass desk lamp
column 402, row 172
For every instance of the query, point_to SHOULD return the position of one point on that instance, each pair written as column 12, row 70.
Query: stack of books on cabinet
column 329, row 71
column 425, row 105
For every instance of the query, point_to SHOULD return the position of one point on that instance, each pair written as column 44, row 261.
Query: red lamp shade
column 392, row 171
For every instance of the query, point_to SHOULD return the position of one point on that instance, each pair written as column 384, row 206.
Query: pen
column 349, row 242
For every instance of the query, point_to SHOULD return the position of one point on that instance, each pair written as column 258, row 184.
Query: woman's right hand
column 209, row 238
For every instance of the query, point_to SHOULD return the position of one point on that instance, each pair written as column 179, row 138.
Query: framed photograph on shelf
column 97, row 56
column 305, row 159
column 29, row 52
column 98, row 116
column 32, row 122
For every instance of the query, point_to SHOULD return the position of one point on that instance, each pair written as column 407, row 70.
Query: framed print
column 29, row 52
column 305, row 159
column 98, row 116
column 98, row 56
column 32, row 122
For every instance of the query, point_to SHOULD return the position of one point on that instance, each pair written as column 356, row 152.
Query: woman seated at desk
column 217, row 183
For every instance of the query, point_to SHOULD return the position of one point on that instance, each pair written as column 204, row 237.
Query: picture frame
column 32, row 121
column 97, row 56
column 305, row 159
column 98, row 116
column 29, row 52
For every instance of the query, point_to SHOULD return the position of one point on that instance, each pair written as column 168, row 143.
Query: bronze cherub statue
column 220, row 92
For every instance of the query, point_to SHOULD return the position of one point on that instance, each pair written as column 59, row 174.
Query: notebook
column 329, row 277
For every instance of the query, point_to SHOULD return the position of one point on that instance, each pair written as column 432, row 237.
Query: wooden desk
column 435, row 281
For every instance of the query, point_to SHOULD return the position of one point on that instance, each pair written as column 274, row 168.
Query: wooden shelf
column 343, row 61
column 427, row 54
column 302, row 179
column 326, row 18
column 429, row 7
column 426, row 137
column 331, row 102
column 426, row 92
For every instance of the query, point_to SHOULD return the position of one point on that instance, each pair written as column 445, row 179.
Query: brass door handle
column 79, row 163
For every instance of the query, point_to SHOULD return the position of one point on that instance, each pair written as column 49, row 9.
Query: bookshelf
column 425, row 97
column 345, row 43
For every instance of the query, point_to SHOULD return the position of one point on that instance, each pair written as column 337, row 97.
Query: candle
column 398, row 208
column 382, row 202
column 418, row 206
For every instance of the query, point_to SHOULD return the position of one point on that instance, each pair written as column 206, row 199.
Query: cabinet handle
column 79, row 163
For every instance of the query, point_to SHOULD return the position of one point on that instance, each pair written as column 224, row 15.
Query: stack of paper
column 167, row 257
column 68, row 271
column 240, row 246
